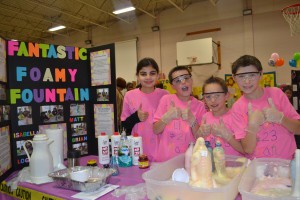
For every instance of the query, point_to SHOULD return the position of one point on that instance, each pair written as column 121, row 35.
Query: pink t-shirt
column 132, row 101
column 177, row 135
column 227, row 119
column 273, row 140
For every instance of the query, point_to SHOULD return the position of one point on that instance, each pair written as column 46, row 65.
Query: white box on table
column 160, row 186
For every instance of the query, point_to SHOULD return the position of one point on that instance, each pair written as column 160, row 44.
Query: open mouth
column 184, row 88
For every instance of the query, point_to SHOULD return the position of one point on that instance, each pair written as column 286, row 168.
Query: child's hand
column 172, row 113
column 143, row 116
column 204, row 129
column 255, row 119
column 272, row 114
column 187, row 115
column 220, row 130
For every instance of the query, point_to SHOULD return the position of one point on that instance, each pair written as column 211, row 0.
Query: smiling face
column 147, row 77
column 248, row 79
column 215, row 98
column 182, row 82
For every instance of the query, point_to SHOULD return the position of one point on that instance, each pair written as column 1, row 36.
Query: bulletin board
column 49, row 87
column 268, row 80
column 103, row 92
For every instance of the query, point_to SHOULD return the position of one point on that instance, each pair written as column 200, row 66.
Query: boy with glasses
column 264, row 118
column 177, row 117
column 217, row 124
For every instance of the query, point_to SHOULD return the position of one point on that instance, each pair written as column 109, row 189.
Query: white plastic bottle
column 188, row 157
column 115, row 143
column 103, row 149
column 136, row 148
column 295, row 174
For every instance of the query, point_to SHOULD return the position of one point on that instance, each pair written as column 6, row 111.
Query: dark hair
column 146, row 62
column 245, row 61
column 177, row 68
column 216, row 80
column 121, row 83
column 287, row 87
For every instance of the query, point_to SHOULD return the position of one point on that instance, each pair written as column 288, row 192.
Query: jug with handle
column 41, row 161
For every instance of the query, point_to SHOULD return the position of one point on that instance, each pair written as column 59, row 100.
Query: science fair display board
column 45, row 86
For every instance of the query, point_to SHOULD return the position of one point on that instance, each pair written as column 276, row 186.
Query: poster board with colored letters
column 44, row 81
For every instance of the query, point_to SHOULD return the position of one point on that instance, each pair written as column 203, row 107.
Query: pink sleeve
column 283, row 104
column 200, row 112
column 239, row 121
column 126, row 109
column 161, row 109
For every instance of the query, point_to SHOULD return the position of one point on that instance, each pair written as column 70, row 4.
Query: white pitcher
column 41, row 161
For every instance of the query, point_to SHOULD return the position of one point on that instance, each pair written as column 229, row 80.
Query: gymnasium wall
column 259, row 34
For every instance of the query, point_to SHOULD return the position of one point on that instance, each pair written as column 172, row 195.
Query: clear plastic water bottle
column 219, row 159
column 114, row 165
column 209, row 148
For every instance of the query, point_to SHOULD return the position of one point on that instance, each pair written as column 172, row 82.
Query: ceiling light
column 56, row 28
column 123, row 10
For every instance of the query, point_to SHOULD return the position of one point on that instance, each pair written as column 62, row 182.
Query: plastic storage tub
column 258, row 168
column 160, row 186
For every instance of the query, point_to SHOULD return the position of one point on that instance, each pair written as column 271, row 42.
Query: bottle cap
column 116, row 133
column 135, row 135
column 92, row 162
column 218, row 143
column 102, row 133
column 73, row 154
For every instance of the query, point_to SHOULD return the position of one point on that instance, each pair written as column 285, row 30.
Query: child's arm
column 255, row 120
column 273, row 115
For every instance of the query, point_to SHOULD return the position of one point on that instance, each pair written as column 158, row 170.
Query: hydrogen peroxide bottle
column 124, row 157
column 103, row 149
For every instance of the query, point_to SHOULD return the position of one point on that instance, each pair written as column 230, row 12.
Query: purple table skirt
column 127, row 176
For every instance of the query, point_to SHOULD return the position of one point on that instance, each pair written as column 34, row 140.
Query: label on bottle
column 203, row 153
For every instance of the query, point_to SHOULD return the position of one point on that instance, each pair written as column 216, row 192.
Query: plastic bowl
column 80, row 175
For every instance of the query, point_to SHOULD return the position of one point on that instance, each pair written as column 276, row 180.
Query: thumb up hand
column 143, row 116
column 255, row 119
column 172, row 113
column 272, row 114
column 204, row 129
column 220, row 130
column 187, row 115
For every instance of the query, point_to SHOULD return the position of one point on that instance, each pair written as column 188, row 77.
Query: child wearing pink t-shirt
column 217, row 124
column 177, row 117
column 265, row 119
column 140, row 105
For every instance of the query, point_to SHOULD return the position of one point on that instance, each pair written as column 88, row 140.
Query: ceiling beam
column 175, row 5
column 34, row 29
column 67, row 13
column 146, row 12
column 99, row 9
column 28, row 36
column 39, row 18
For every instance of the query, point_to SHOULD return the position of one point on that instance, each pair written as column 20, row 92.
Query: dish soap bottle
column 124, row 157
